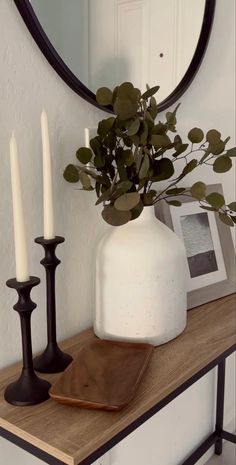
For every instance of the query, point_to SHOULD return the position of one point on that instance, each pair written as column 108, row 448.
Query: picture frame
column 209, row 247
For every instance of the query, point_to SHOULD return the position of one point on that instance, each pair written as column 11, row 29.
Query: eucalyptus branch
column 146, row 160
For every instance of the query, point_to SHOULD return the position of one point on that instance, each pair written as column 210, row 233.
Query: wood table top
column 71, row 434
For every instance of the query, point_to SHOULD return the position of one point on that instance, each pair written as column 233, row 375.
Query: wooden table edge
column 54, row 455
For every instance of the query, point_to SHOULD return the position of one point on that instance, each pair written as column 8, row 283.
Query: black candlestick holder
column 52, row 360
column 29, row 389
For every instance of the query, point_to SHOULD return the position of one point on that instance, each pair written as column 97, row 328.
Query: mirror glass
column 106, row 42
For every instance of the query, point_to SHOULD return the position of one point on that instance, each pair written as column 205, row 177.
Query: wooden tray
column 105, row 375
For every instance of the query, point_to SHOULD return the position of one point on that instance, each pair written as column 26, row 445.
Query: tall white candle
column 87, row 137
column 21, row 257
column 47, row 180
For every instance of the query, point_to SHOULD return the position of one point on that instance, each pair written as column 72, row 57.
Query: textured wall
column 27, row 83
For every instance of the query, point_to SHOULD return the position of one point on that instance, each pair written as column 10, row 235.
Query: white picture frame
column 209, row 248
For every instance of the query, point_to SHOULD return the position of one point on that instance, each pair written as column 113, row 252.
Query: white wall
column 27, row 83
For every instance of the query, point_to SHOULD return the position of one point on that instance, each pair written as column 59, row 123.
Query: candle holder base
column 28, row 390
column 52, row 360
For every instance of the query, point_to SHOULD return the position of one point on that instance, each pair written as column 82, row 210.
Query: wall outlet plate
column 104, row 460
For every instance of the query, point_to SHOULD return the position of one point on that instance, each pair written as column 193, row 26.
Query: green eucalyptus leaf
column 125, row 109
column 233, row 218
column 128, row 157
column 196, row 135
column 153, row 112
column 110, row 140
column 135, row 95
column 160, row 140
column 98, row 188
column 143, row 132
column 226, row 219
column 231, row 152
column 84, row 155
column 142, row 183
column 213, row 136
column 85, row 181
column 119, row 152
column 144, row 167
column 163, row 169
column 121, row 188
column 98, row 149
column 133, row 127
column 121, row 169
column 153, row 102
column 150, row 92
column 99, row 161
column 159, row 128
column 176, row 108
column 135, row 139
column 104, row 96
column 136, row 211
column 217, row 149
column 124, row 90
column 198, row 190
column 171, row 128
column 177, row 140
column 206, row 154
column 222, row 164
column 174, row 203
column 175, row 191
column 114, row 94
column 127, row 202
column 106, row 195
column 171, row 118
column 215, row 199
column 105, row 126
column 115, row 217
column 210, row 209
column 227, row 140
column 96, row 145
column 127, row 141
column 191, row 165
column 180, row 148
column 232, row 206
column 149, row 119
column 149, row 197
column 153, row 109
column 71, row 174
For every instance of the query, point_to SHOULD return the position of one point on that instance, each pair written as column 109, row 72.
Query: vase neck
column 148, row 214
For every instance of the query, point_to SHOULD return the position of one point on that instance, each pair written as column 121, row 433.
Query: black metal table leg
column 220, row 407
column 219, row 434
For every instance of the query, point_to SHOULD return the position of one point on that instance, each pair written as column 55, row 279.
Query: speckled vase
column 141, row 271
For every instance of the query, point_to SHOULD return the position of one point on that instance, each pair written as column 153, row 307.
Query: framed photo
column 209, row 248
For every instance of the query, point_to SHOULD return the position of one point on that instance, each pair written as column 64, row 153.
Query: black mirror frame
column 41, row 38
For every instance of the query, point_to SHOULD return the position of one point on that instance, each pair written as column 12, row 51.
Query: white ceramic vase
column 141, row 271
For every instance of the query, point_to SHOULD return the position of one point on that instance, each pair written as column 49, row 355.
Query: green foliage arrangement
column 132, row 153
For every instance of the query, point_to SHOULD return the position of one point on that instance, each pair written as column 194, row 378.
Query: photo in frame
column 209, row 248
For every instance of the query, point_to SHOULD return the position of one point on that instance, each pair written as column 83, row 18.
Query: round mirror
column 94, row 43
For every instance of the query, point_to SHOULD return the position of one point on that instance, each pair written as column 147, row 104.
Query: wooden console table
column 60, row 435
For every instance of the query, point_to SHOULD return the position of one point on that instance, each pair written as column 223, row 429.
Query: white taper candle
column 47, row 180
column 21, row 256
